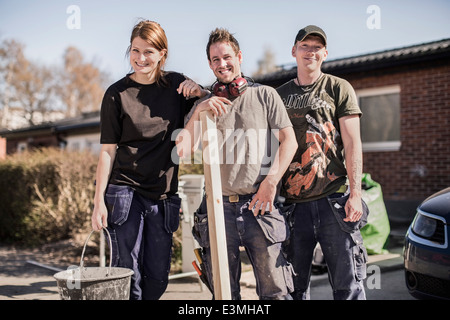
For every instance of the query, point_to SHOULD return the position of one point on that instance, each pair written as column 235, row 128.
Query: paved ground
column 23, row 278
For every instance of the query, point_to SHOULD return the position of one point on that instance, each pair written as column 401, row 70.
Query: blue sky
column 105, row 28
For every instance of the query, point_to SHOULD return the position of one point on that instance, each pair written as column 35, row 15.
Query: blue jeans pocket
column 274, row 226
column 338, row 208
column 118, row 202
column 172, row 207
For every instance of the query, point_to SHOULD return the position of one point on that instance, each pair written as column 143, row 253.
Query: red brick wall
column 2, row 148
column 34, row 142
column 422, row 165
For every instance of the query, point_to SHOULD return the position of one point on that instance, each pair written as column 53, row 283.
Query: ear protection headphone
column 231, row 90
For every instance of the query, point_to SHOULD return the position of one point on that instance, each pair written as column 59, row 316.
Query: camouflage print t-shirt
column 318, row 167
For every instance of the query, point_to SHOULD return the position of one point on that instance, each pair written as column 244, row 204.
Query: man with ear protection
column 257, row 143
column 323, row 181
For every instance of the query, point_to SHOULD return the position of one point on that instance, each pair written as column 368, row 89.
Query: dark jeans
column 343, row 251
column 263, row 247
column 141, row 232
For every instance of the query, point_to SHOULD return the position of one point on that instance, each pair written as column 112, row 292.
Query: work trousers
column 261, row 237
column 344, row 253
column 141, row 230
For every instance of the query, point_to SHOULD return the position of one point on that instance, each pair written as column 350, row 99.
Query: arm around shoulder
column 188, row 139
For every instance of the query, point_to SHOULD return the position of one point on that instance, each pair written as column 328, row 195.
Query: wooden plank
column 216, row 219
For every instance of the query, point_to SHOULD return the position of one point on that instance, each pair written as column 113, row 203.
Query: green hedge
column 45, row 195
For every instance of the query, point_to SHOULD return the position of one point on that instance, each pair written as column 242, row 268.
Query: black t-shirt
column 141, row 119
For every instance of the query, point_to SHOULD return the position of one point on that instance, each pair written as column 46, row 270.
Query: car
column 426, row 251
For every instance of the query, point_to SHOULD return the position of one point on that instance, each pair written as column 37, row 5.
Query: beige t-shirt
column 247, row 146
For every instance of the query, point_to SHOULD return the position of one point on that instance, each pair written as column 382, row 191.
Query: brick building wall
column 31, row 143
column 2, row 148
column 422, row 165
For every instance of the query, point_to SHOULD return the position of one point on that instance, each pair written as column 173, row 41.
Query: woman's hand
column 217, row 105
column 190, row 88
column 99, row 216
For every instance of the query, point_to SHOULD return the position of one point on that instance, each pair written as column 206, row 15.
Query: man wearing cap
column 324, row 177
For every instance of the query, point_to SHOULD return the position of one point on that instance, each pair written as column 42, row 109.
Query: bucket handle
column 110, row 249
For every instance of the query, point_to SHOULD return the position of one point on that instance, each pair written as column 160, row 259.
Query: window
column 380, row 123
column 21, row 147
